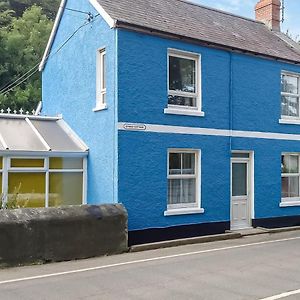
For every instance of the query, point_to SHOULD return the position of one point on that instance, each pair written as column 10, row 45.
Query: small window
column 182, row 179
column 290, row 177
column 183, row 81
column 101, row 79
column 290, row 96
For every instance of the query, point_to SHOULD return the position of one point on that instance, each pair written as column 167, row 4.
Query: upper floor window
column 184, row 83
column 101, row 80
column 290, row 96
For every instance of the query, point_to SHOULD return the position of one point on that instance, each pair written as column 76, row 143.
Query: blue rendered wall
column 69, row 88
column 255, row 96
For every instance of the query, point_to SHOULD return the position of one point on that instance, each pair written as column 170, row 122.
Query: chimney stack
column 268, row 12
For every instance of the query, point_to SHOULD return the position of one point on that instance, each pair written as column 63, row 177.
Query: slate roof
column 192, row 21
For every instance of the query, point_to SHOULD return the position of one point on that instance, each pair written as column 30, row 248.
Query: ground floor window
column 183, row 179
column 42, row 182
column 290, row 177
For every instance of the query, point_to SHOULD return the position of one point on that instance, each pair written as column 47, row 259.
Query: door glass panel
column 239, row 179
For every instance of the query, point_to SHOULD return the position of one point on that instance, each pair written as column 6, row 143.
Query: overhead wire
column 9, row 87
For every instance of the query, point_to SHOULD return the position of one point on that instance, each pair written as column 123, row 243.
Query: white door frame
column 250, row 174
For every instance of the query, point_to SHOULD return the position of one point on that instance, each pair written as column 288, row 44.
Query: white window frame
column 100, row 78
column 290, row 119
column 186, row 208
column 291, row 201
column 180, row 109
column 6, row 169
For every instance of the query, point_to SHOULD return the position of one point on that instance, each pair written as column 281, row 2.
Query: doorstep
column 187, row 241
column 250, row 231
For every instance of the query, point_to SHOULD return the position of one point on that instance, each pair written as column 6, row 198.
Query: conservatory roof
column 26, row 133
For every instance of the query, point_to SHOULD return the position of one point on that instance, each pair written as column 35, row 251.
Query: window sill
column 290, row 203
column 183, row 211
column 184, row 112
column 289, row 121
column 100, row 107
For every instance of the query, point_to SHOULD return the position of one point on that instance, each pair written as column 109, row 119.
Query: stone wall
column 58, row 234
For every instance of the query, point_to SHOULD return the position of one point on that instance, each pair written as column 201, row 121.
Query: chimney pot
column 268, row 12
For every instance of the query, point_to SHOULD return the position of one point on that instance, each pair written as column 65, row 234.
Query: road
column 256, row 267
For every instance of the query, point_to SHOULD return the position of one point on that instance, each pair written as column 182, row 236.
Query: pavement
column 260, row 267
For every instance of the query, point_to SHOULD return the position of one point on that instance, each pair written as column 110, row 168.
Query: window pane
column 290, row 84
column 65, row 189
column 290, row 106
column 184, row 101
column 103, row 71
column 188, row 163
column 181, row 191
column 27, row 163
column 188, row 191
column 1, row 190
column 289, row 164
column 1, row 162
column 239, row 179
column 240, row 155
column 174, row 163
column 26, row 190
column 290, row 187
column 182, row 74
column 66, row 163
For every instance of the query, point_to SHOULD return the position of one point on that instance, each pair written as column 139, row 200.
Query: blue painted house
column 191, row 114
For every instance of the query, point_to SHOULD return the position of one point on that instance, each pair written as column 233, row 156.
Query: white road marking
column 283, row 295
column 144, row 261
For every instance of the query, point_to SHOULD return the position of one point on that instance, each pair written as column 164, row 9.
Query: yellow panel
column 1, row 189
column 66, row 163
column 65, row 189
column 26, row 190
column 27, row 163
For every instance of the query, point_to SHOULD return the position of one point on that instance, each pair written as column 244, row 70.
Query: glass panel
column 182, row 73
column 240, row 155
column 66, row 163
column 290, row 187
column 65, row 189
column 188, row 163
column 56, row 137
column 239, row 179
column 27, row 163
column 26, row 190
column 188, row 191
column 290, row 84
column 1, row 162
column 183, row 101
column 1, row 195
column 19, row 136
column 289, row 106
column 174, row 163
column 103, row 71
column 181, row 191
column 289, row 164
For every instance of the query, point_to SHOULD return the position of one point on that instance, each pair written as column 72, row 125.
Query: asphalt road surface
column 259, row 267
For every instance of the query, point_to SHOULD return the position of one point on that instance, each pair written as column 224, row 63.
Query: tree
column 22, row 44
column 49, row 7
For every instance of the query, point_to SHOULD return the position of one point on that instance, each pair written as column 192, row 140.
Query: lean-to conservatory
column 42, row 162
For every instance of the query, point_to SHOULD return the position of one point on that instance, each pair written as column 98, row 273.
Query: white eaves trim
column 53, row 34
column 109, row 20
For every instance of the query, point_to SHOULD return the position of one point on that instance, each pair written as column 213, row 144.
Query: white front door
column 240, row 191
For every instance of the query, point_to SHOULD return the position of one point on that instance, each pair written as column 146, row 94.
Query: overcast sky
column 246, row 8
